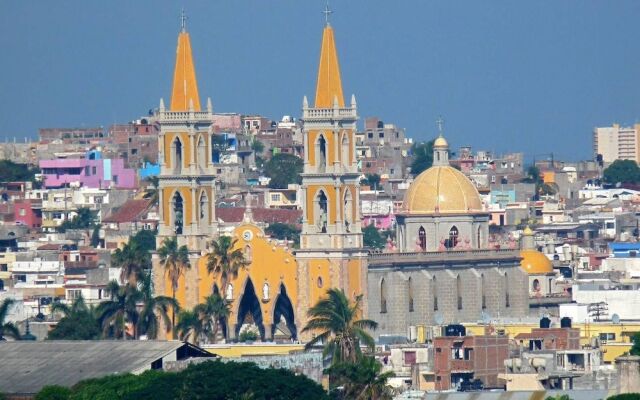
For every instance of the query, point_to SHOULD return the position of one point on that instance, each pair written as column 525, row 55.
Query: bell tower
column 186, row 181
column 331, row 248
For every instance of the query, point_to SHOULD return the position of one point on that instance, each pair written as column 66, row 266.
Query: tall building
column 186, row 180
column 617, row 143
column 331, row 251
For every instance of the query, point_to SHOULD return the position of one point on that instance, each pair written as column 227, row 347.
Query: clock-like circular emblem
column 247, row 235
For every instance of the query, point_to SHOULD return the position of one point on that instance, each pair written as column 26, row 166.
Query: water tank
column 455, row 330
column 565, row 322
column 545, row 323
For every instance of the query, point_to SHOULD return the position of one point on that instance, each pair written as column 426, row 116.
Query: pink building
column 92, row 171
column 28, row 212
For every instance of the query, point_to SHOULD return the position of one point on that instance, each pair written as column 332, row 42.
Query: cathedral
column 443, row 270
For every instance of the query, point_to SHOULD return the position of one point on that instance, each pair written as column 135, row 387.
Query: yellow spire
column 329, row 84
column 185, row 86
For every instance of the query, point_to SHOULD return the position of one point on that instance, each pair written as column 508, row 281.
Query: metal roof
column 26, row 367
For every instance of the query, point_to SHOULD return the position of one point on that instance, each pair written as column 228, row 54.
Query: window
column 459, row 292
column 94, row 170
column 409, row 358
column 3, row 268
column 20, row 278
column 381, row 134
column 87, row 171
column 73, row 294
column 607, row 336
column 410, row 293
column 422, row 238
column 97, row 200
column 383, row 297
column 115, row 179
column 275, row 197
column 452, row 242
column 370, row 135
column 23, row 212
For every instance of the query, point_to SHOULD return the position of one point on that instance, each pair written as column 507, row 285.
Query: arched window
column 1, row 284
column 452, row 242
column 348, row 210
column 178, row 213
column 479, row 242
column 535, row 287
column 321, row 158
column 202, row 154
column 506, row 290
column 204, row 208
column 434, row 291
column 177, row 155
column 345, row 150
column 483, row 291
column 321, row 213
column 410, row 293
column 383, row 297
column 549, row 290
column 459, row 292
column 248, row 253
column 422, row 239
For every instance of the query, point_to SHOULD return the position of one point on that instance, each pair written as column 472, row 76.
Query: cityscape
column 325, row 252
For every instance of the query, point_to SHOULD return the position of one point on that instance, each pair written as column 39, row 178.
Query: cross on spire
column 327, row 11
column 439, row 123
column 183, row 21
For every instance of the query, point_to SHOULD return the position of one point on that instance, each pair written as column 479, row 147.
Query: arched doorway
column 321, row 213
column 422, row 239
column 283, row 310
column 249, row 310
column 178, row 213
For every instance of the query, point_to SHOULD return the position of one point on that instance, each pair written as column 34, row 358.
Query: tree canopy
column 214, row 380
column 624, row 171
column 284, row 169
column 372, row 237
column 84, row 219
column 80, row 322
column 12, row 172
column 282, row 231
column 422, row 157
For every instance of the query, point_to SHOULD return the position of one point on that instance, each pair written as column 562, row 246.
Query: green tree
column 372, row 180
column 176, row 262
column 8, row 329
column 533, row 175
column 282, row 231
column 635, row 348
column 79, row 322
column 155, row 309
column 363, row 380
column 334, row 320
column 84, row 219
column 257, row 146
column 133, row 262
column 422, row 157
column 95, row 236
column 625, row 396
column 12, row 172
column 372, row 237
column 53, row 392
column 145, row 239
column 559, row 397
column 248, row 336
column 152, row 192
column 624, row 171
column 225, row 261
column 120, row 310
column 190, row 327
column 284, row 169
column 214, row 311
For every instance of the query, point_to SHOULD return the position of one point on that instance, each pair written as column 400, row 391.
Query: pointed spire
column 209, row 105
column 191, row 104
column 353, row 101
column 329, row 84
column 305, row 102
column 185, row 86
column 161, row 104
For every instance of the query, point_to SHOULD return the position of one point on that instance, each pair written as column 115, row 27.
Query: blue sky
column 506, row 75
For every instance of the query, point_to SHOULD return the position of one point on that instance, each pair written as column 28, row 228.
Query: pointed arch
column 410, row 294
column 202, row 154
column 321, row 210
column 176, row 145
column 422, row 238
column 248, row 253
column 459, row 291
column 177, row 213
column 348, row 209
column 479, row 238
column 249, row 305
column 452, row 241
column 215, row 289
column 203, row 206
column 383, row 297
column 283, row 310
column 321, row 153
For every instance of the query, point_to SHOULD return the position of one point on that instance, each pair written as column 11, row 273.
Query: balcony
column 182, row 116
column 461, row 366
column 310, row 114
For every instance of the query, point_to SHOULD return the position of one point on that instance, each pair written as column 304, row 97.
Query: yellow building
column 5, row 269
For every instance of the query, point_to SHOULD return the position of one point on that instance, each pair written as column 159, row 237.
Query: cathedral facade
column 442, row 272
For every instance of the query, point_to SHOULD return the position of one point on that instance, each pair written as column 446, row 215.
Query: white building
column 617, row 143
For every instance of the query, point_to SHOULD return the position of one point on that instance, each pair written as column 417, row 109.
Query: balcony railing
column 324, row 113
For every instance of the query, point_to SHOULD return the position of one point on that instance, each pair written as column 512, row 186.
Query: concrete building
column 617, row 143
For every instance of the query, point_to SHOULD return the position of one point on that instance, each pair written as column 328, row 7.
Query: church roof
column 329, row 86
column 185, row 86
column 534, row 262
column 264, row 215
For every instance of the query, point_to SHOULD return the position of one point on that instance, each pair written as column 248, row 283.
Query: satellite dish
column 438, row 318
column 615, row 318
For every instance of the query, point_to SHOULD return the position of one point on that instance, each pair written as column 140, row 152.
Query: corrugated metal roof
column 25, row 367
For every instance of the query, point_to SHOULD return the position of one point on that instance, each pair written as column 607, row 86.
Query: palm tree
column 340, row 331
column 213, row 312
column 362, row 380
column 190, row 326
column 119, row 310
column 225, row 261
column 79, row 321
column 154, row 309
column 7, row 328
column 133, row 261
column 175, row 261
column 152, row 193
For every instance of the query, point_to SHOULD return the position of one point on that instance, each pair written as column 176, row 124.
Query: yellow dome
column 527, row 231
column 534, row 262
column 440, row 142
column 442, row 189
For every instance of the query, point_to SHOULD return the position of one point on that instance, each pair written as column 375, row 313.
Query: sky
column 531, row 76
